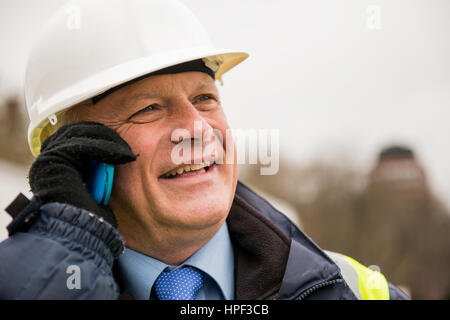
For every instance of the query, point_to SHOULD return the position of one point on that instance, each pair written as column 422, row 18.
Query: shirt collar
column 139, row 272
column 215, row 258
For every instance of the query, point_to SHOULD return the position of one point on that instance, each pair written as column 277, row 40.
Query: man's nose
column 190, row 123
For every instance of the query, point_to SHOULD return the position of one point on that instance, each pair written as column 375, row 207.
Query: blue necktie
column 180, row 284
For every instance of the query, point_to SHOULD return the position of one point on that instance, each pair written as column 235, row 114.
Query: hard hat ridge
column 112, row 43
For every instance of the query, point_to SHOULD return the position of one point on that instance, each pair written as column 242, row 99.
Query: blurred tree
column 13, row 138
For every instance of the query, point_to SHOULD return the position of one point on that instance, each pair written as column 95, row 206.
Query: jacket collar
column 258, row 271
column 272, row 255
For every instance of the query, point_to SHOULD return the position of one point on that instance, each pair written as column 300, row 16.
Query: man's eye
column 204, row 98
column 148, row 108
column 145, row 115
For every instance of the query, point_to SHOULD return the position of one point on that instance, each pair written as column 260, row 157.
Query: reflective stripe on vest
column 366, row 284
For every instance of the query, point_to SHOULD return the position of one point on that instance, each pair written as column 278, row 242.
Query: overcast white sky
column 317, row 72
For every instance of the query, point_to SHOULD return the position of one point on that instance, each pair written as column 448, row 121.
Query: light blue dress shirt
column 215, row 258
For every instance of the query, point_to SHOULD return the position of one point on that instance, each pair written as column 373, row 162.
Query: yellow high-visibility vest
column 366, row 284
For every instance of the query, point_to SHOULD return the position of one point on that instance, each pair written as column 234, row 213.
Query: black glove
column 57, row 173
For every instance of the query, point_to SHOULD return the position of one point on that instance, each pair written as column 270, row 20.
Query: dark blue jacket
column 273, row 258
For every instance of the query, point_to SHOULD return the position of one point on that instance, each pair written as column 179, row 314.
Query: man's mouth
column 189, row 170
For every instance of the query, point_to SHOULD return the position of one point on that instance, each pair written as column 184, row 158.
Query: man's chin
column 197, row 214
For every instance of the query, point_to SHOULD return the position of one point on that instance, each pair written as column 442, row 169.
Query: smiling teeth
column 187, row 168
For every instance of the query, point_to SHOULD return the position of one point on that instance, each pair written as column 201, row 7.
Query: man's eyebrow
column 149, row 95
column 204, row 84
column 141, row 95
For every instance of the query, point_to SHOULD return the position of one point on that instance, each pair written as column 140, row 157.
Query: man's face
column 146, row 114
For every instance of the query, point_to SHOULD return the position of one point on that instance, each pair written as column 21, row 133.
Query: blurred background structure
column 360, row 92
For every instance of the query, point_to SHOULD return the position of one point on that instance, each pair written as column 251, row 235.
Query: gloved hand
column 57, row 174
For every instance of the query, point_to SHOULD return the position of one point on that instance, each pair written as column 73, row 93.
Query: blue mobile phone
column 100, row 181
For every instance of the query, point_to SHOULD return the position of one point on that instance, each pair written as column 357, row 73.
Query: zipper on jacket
column 319, row 286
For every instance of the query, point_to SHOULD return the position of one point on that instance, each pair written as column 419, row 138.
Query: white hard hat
column 89, row 47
